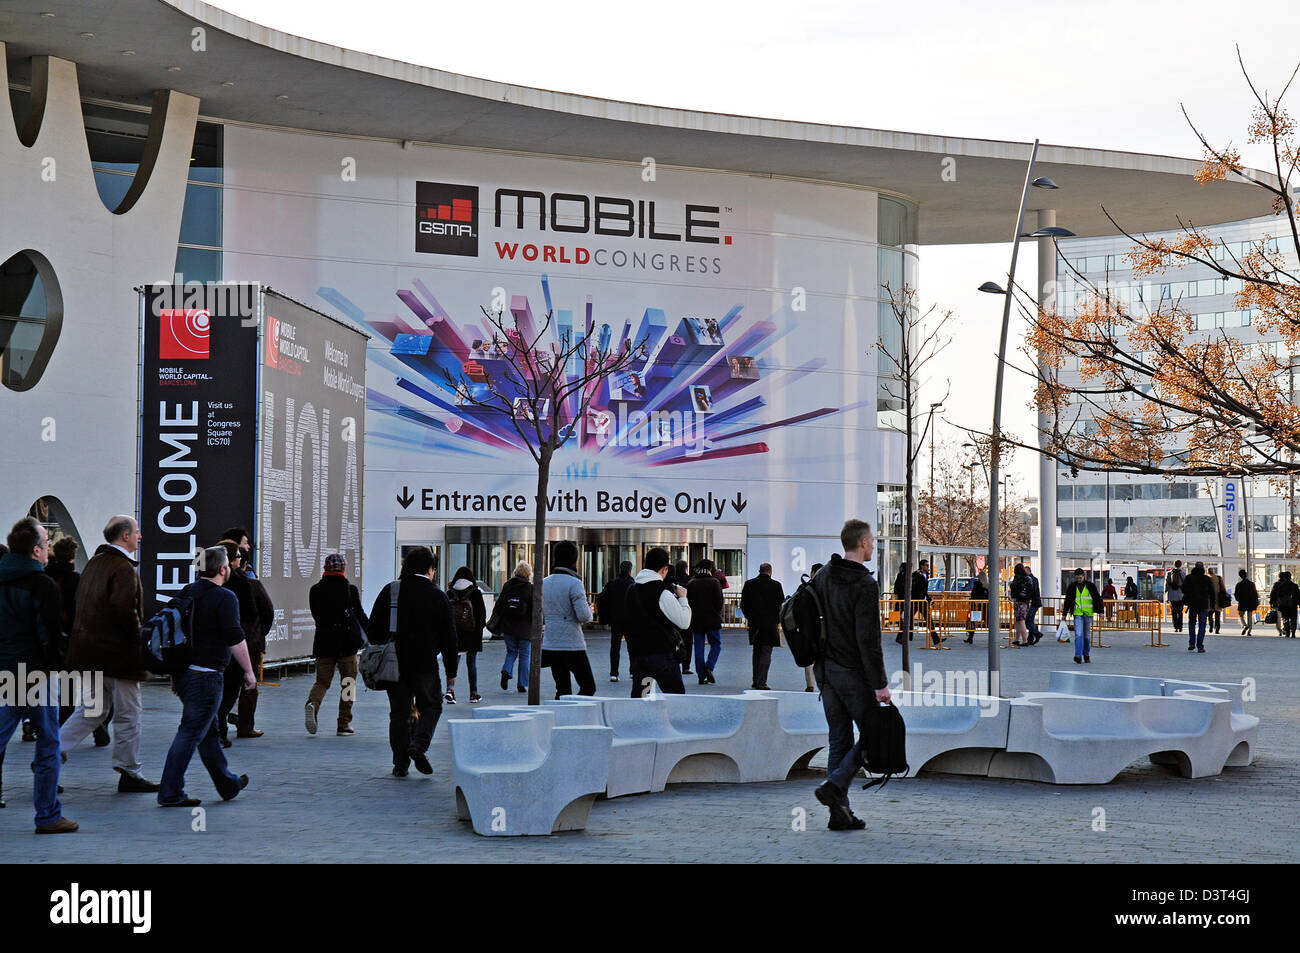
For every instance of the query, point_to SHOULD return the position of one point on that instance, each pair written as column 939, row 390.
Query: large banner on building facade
column 757, row 300
column 311, row 461
column 198, row 409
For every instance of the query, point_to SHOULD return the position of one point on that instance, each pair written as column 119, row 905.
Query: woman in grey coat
column 564, row 609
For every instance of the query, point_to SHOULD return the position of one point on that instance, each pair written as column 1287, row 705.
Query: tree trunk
column 540, row 568
column 910, row 547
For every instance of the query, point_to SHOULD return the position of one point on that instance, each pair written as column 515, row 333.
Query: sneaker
column 613, row 678
column 399, row 772
column 309, row 717
column 521, row 689
column 102, row 740
column 708, row 675
column 1087, row 660
column 1077, row 660
column 449, row 696
column 250, row 733
column 345, row 730
column 243, row 783
column 505, row 680
column 810, row 689
column 475, row 698
column 1191, row 648
column 1202, row 651
column 63, row 825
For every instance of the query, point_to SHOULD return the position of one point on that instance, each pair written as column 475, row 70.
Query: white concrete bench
column 953, row 734
column 1074, row 739
column 518, row 772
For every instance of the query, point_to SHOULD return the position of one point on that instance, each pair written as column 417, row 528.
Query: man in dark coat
column 106, row 638
column 1198, row 591
column 340, row 623
column 424, row 630
column 851, row 674
column 760, row 604
column 610, row 604
column 1285, row 597
column 704, row 596
column 30, row 624
column 1247, row 597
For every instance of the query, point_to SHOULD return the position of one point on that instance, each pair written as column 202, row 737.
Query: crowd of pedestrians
column 54, row 617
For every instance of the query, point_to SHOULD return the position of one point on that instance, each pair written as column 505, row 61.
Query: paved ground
column 326, row 798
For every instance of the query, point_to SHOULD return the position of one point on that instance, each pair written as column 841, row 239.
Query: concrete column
column 1049, row 564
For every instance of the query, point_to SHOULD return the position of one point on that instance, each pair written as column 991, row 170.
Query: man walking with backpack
column 216, row 636
column 851, row 669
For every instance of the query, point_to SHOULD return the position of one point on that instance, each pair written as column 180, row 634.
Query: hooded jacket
column 564, row 610
column 465, row 589
column 30, row 622
column 851, row 600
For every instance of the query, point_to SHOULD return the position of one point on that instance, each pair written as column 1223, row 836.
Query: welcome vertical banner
column 198, row 412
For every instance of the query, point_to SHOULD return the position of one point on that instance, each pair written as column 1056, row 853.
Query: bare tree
column 906, row 351
column 544, row 384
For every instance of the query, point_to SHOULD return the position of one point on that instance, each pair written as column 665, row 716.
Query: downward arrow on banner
column 405, row 498
column 739, row 504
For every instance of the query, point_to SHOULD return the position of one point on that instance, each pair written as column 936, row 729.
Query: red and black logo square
column 446, row 218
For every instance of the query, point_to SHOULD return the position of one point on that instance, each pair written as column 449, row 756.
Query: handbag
column 1270, row 617
column 885, row 752
column 494, row 625
column 378, row 663
column 1063, row 632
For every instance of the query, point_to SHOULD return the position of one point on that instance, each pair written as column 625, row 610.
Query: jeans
column 1082, row 635
column 200, row 698
column 714, row 639
column 425, row 690
column 762, row 663
column 45, row 785
column 1177, row 609
column 565, row 663
column 1196, row 619
column 662, row 668
column 126, row 708
column 347, row 668
column 521, row 649
column 846, row 699
column 615, row 650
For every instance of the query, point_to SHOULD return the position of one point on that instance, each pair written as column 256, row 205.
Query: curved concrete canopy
column 333, row 90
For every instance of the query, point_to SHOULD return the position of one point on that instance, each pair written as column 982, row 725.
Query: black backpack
column 166, row 647
column 803, row 623
column 514, row 606
column 462, row 612
column 885, row 753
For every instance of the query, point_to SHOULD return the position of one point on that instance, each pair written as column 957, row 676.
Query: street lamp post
column 995, row 442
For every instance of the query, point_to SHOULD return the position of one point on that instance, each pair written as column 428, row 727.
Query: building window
column 31, row 316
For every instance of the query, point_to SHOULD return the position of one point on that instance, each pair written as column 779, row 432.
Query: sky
column 1105, row 74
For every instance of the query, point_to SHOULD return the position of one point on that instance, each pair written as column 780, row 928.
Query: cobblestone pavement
column 326, row 798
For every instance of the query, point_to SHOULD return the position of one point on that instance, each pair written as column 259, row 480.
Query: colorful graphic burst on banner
column 700, row 394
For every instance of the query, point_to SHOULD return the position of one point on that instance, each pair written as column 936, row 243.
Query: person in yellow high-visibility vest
column 1083, row 602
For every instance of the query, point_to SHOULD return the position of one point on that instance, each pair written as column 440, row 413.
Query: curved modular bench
column 518, row 772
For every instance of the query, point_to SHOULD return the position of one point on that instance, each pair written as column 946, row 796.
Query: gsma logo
column 446, row 219
column 184, row 334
